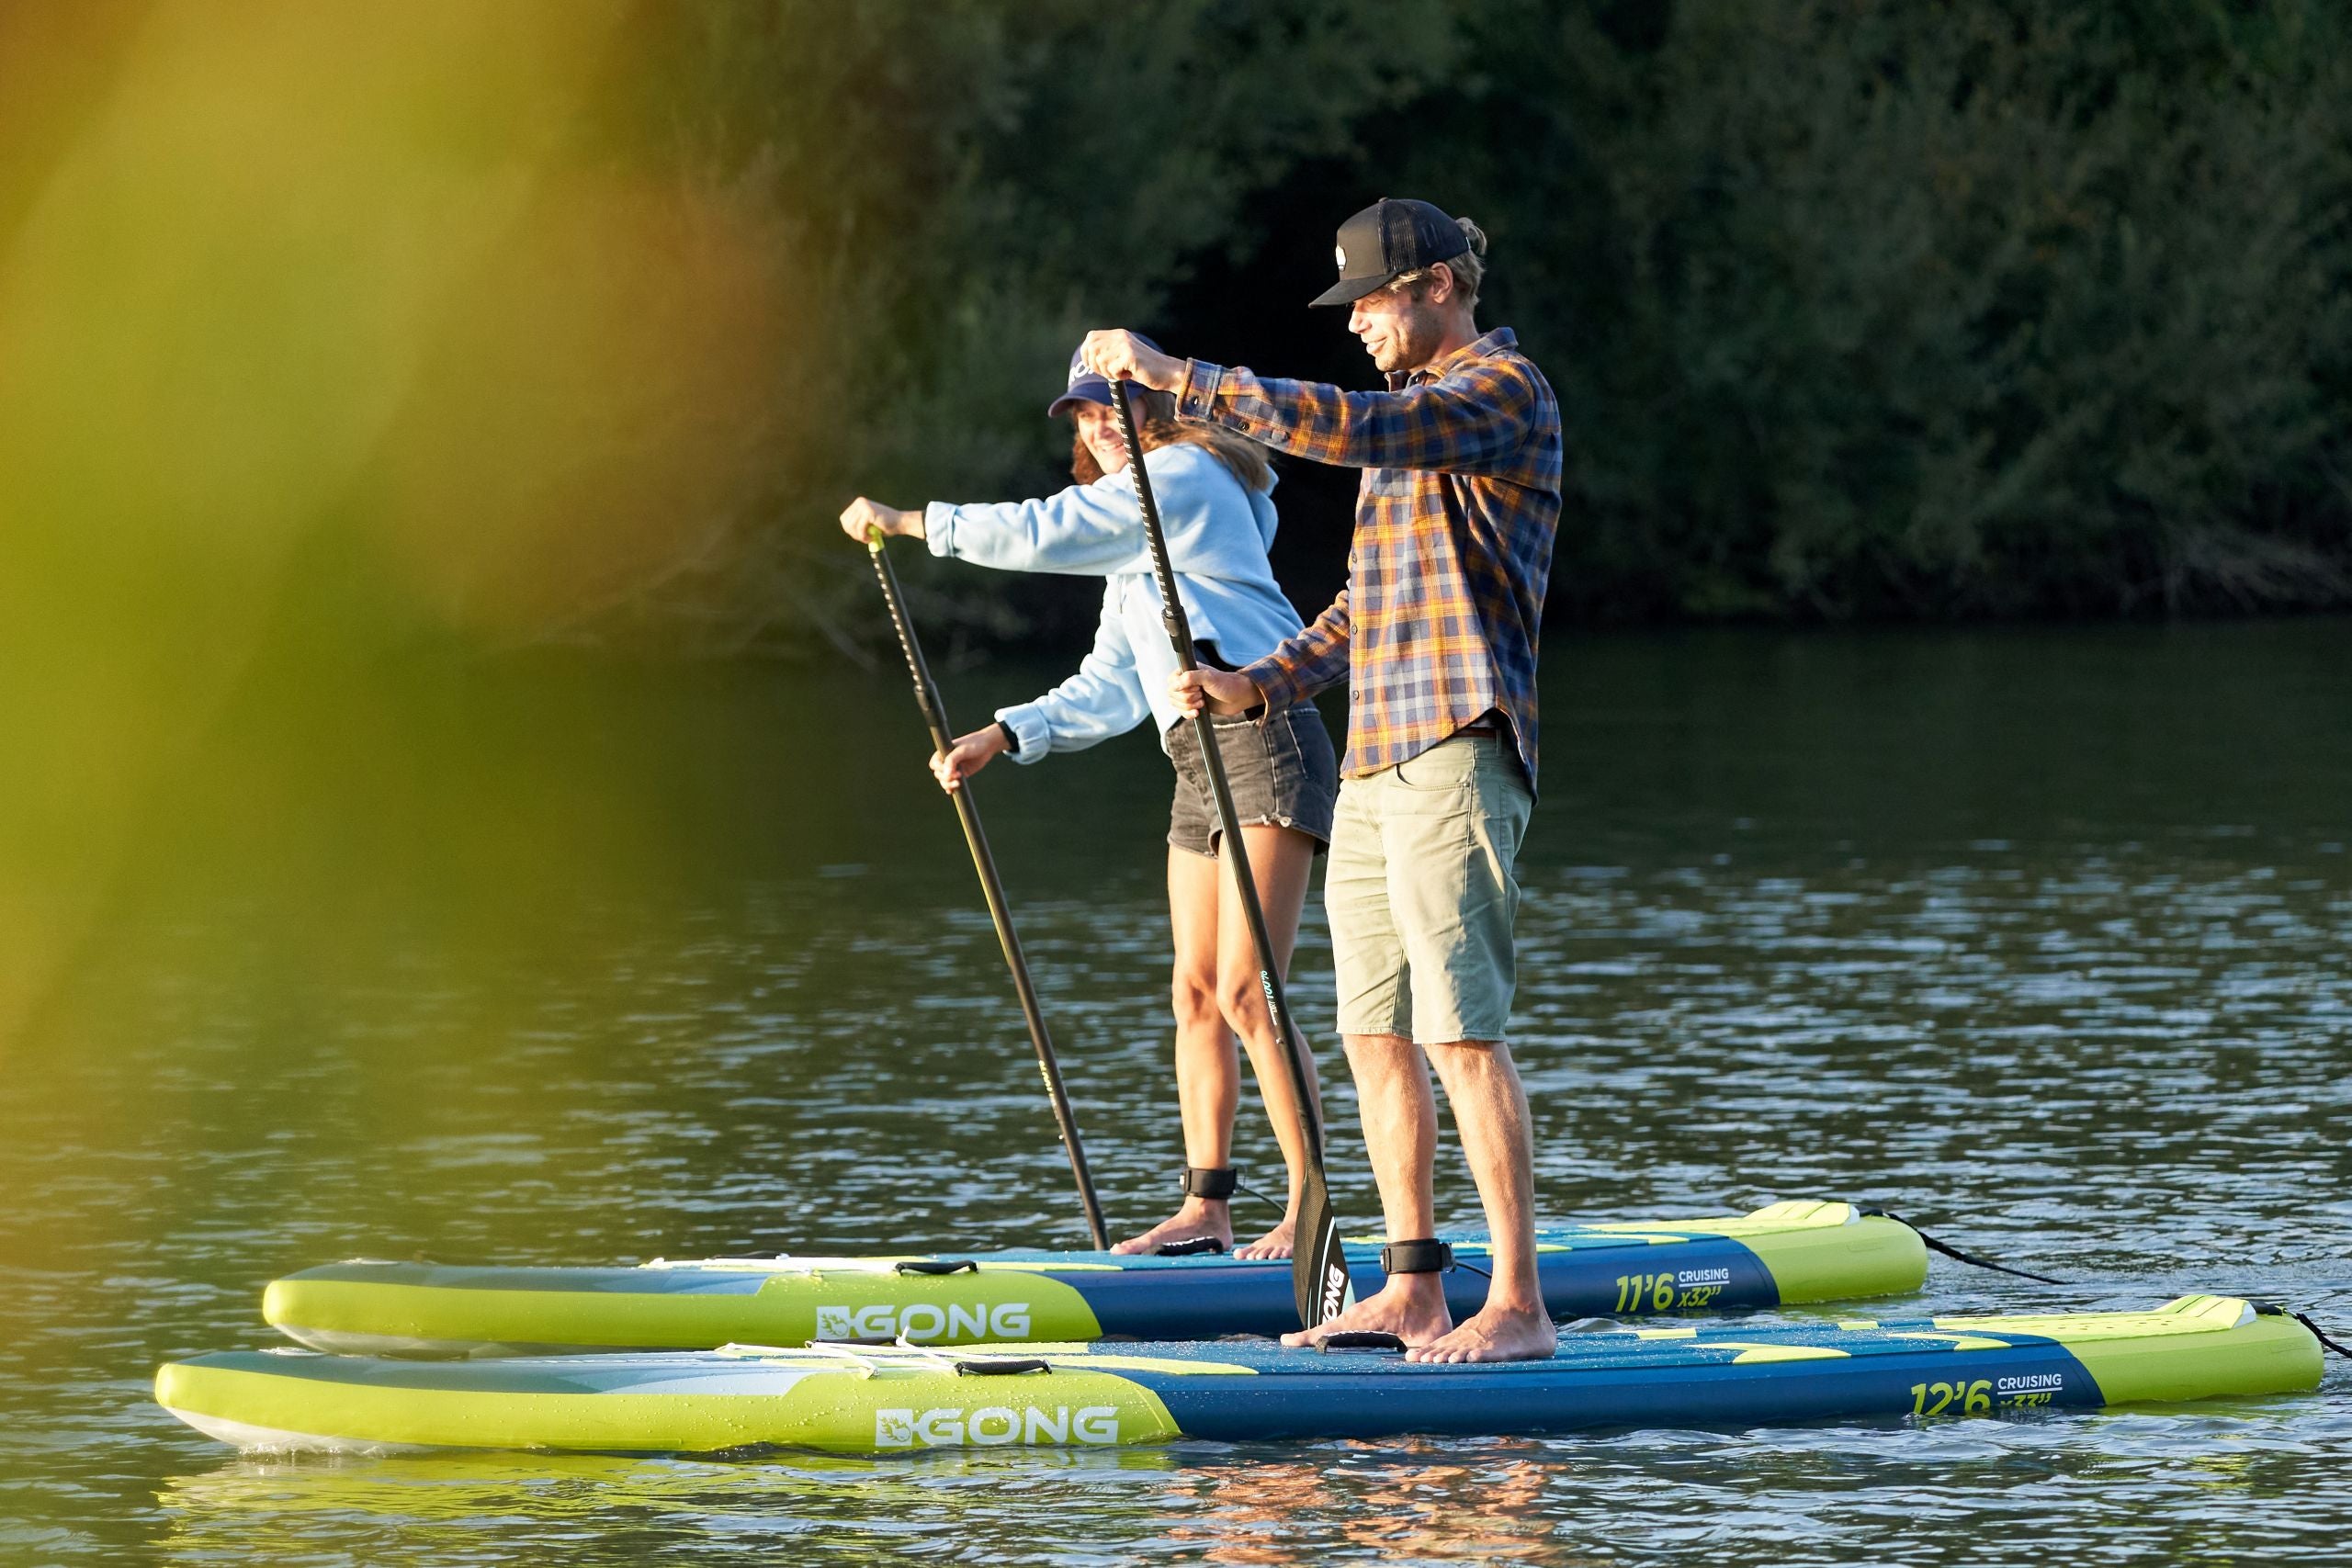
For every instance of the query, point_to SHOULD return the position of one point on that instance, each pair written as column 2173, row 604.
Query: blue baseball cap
column 1085, row 386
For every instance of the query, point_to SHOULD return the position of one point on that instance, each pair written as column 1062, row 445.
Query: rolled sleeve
column 1030, row 728
column 1197, row 398
column 939, row 528
column 1305, row 664
column 1278, row 684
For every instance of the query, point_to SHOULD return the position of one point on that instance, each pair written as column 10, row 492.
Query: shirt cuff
column 1276, row 685
column 939, row 528
column 1028, row 725
column 1196, row 397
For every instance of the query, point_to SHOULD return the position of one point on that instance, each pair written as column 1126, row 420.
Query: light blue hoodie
column 1217, row 531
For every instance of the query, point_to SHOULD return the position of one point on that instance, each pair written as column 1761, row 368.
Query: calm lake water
column 2038, row 937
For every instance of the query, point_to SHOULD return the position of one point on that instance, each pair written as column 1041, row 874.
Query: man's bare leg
column 1490, row 1112
column 1400, row 1135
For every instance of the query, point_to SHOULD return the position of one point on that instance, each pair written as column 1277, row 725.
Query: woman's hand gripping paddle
column 935, row 715
column 1319, row 1266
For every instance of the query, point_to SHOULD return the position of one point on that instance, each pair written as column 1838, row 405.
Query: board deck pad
column 1785, row 1254
column 885, row 1400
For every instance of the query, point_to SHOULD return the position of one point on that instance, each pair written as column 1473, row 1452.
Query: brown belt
column 1493, row 731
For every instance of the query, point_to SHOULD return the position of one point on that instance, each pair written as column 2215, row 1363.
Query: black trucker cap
column 1387, row 240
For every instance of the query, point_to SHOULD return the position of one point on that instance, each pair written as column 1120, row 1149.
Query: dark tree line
column 1857, row 309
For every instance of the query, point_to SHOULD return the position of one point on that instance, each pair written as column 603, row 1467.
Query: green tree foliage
column 1891, row 307
column 960, row 189
column 1857, row 307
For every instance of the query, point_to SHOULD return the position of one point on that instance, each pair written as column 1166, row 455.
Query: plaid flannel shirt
column 1454, row 523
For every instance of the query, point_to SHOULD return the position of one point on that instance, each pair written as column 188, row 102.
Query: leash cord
column 1953, row 1252
column 2317, row 1332
column 1242, row 1186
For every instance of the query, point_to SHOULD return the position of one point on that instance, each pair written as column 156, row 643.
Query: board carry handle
column 1005, row 1366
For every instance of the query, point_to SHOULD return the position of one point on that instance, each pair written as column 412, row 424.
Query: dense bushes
column 1858, row 308
column 961, row 188
column 1977, row 307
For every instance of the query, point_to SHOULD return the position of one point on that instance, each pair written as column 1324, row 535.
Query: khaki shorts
column 1422, row 896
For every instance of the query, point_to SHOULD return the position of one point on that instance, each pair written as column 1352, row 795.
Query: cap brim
column 1347, row 291
column 1071, row 399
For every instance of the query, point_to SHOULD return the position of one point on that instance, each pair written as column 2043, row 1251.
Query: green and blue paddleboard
column 1783, row 1254
column 857, row 1400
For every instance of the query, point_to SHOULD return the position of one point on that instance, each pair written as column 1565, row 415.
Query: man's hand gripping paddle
column 1318, row 1268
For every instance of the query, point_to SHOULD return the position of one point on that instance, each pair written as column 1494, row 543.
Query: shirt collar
column 1485, row 346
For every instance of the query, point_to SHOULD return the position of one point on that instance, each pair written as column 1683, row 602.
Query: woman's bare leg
column 1208, row 1070
column 1283, row 860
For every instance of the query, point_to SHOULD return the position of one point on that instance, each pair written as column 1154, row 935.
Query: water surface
column 2038, row 937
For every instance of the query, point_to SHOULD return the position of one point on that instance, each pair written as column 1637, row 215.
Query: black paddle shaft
column 935, row 715
column 1320, row 1269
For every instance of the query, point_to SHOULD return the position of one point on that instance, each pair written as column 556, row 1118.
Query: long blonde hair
column 1156, row 426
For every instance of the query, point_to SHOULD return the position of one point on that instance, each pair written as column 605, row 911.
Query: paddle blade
column 1318, row 1270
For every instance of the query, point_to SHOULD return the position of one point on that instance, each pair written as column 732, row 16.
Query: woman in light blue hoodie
column 1214, row 489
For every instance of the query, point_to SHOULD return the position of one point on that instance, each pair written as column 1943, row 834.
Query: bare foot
column 1410, row 1306
column 1197, row 1218
column 1279, row 1242
column 1495, row 1333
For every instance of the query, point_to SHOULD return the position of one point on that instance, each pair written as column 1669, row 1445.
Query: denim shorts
column 1281, row 770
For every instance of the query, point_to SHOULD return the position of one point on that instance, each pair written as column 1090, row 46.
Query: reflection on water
column 2037, row 937
column 2123, row 1488
column 466, row 1508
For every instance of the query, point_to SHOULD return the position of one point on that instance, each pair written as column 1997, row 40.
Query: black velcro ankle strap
column 1416, row 1257
column 1213, row 1181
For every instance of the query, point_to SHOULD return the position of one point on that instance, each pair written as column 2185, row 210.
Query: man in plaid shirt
column 1436, row 632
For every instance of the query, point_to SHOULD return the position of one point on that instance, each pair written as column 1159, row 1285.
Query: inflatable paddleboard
column 908, row 1399
column 1787, row 1253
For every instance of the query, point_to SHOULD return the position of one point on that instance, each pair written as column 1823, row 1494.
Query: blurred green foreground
column 343, row 346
